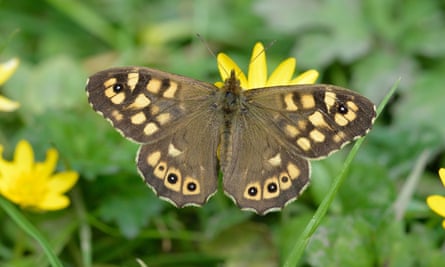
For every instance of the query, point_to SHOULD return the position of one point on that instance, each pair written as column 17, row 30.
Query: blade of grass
column 91, row 21
column 29, row 228
column 301, row 243
column 410, row 186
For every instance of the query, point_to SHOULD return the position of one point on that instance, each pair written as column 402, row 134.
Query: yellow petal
column 46, row 168
column 219, row 84
column 8, row 105
column 226, row 65
column 24, row 156
column 54, row 202
column 257, row 74
column 437, row 204
column 307, row 77
column 7, row 69
column 7, row 171
column 442, row 175
column 62, row 181
column 283, row 73
column 443, row 224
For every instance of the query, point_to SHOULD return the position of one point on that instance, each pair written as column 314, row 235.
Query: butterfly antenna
column 206, row 44
column 262, row 51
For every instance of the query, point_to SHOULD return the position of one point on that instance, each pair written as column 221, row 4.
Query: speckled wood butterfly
column 260, row 139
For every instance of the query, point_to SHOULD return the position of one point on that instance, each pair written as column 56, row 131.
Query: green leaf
column 421, row 107
column 131, row 208
column 325, row 31
column 341, row 241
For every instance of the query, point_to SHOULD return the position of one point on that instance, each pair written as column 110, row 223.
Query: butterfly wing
column 315, row 120
column 170, row 115
column 261, row 173
column 265, row 165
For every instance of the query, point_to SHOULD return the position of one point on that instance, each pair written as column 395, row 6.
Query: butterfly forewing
column 315, row 120
column 145, row 104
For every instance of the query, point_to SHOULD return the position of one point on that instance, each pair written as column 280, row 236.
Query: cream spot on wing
column 340, row 119
column 291, row 131
column 154, row 109
column 329, row 99
column 117, row 116
column 171, row 90
column 154, row 158
column 140, row 102
column 138, row 118
column 307, row 101
column 173, row 151
column 317, row 120
column 351, row 105
column 151, row 128
column 289, row 101
column 304, row 143
column 109, row 92
column 339, row 137
column 163, row 118
column 275, row 160
column 154, row 85
column 133, row 78
column 350, row 116
column 317, row 136
column 293, row 171
column 118, row 98
column 110, row 82
column 302, row 124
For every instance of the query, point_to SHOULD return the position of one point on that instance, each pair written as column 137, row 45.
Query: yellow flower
column 32, row 184
column 257, row 73
column 436, row 202
column 6, row 71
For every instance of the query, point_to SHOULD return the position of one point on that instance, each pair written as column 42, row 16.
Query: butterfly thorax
column 231, row 94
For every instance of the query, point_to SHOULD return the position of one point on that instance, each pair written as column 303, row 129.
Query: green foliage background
column 379, row 217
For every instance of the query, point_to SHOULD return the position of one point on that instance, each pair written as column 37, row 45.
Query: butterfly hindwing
column 178, row 169
column 265, row 175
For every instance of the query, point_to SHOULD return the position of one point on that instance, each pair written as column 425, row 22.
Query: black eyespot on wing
column 272, row 187
column 252, row 191
column 172, row 178
column 118, row 87
column 191, row 186
column 342, row 109
column 284, row 179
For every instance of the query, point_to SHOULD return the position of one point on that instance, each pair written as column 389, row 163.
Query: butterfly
column 260, row 139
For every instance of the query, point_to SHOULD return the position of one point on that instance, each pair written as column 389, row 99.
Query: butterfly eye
column 342, row 109
column 118, row 87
